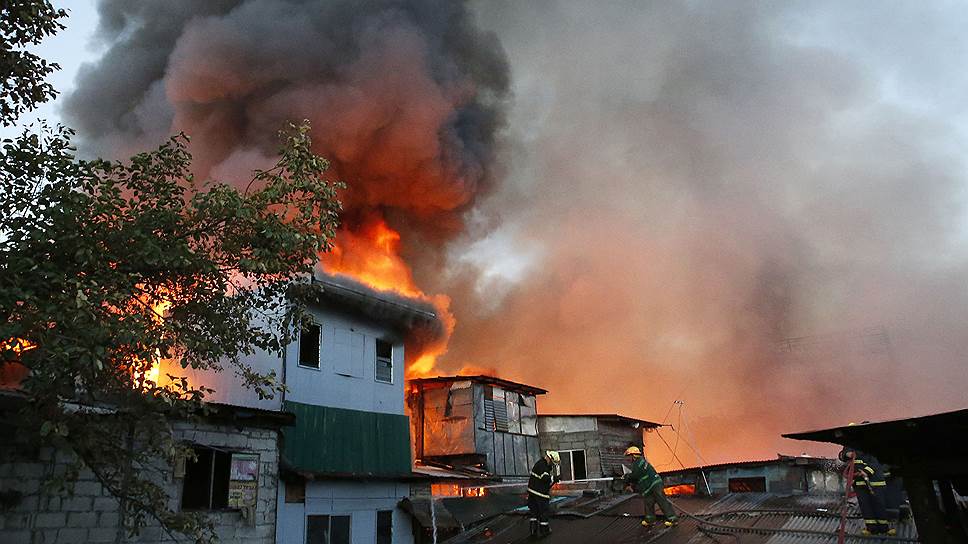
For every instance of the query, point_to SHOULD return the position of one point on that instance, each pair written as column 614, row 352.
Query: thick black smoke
column 405, row 97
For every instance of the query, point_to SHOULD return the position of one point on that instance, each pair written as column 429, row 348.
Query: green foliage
column 107, row 267
column 22, row 83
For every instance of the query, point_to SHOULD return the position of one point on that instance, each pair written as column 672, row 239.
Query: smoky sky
column 756, row 208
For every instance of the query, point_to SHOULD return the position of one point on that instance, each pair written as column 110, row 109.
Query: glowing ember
column 12, row 372
column 682, row 489
column 454, row 490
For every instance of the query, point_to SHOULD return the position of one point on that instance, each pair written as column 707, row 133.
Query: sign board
column 243, row 480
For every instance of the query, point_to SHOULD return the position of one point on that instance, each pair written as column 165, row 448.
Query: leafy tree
column 107, row 267
column 22, row 83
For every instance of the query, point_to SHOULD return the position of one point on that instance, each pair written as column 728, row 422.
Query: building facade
column 784, row 475
column 233, row 480
column 345, row 464
column 591, row 445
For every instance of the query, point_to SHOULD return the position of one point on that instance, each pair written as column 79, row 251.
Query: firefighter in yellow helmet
column 544, row 474
column 647, row 482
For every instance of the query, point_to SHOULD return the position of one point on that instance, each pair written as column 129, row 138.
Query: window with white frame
column 310, row 339
column 573, row 465
column 384, row 361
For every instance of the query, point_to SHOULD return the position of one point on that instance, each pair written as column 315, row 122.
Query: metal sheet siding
column 328, row 440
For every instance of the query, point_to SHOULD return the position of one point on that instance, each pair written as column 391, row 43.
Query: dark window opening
column 384, row 527
column 296, row 491
column 578, row 464
column 384, row 361
column 328, row 530
column 309, row 341
column 573, row 465
column 747, row 485
column 206, row 483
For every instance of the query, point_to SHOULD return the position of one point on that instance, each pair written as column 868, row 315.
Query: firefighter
column 870, row 487
column 544, row 474
column 647, row 482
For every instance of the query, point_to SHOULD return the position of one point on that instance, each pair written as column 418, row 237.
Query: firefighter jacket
column 542, row 478
column 643, row 477
column 868, row 471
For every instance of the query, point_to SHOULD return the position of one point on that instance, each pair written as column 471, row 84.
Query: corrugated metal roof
column 751, row 518
column 643, row 422
column 488, row 380
column 779, row 459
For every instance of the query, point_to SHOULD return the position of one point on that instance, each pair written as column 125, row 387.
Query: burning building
column 475, row 421
column 327, row 460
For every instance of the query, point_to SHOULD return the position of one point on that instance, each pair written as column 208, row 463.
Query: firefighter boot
column 534, row 526
column 545, row 528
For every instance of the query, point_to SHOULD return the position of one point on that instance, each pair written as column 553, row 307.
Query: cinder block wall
column 91, row 514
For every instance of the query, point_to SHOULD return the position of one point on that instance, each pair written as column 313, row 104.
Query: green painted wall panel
column 338, row 441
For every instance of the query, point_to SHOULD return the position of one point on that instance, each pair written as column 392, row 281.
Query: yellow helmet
column 555, row 458
column 633, row 450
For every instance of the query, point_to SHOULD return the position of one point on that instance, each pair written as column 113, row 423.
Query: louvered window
column 501, row 416
column 489, row 414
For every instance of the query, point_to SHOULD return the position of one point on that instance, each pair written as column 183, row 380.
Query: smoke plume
column 755, row 208
column 405, row 98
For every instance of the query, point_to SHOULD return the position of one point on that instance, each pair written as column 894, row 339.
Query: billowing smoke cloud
column 755, row 208
column 405, row 97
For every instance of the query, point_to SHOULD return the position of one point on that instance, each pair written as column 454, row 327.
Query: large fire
column 159, row 308
column 371, row 255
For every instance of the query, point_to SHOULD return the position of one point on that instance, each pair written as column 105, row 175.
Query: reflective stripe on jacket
column 643, row 476
column 541, row 480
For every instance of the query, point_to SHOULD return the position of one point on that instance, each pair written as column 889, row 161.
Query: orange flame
column 681, row 489
column 12, row 372
column 159, row 308
column 371, row 255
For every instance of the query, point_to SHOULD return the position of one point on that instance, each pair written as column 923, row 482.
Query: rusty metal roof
column 779, row 459
column 487, row 380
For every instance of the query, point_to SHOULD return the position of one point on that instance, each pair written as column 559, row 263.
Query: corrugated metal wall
column 329, row 440
column 508, row 454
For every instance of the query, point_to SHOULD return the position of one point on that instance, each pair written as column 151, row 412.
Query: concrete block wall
column 590, row 441
column 92, row 515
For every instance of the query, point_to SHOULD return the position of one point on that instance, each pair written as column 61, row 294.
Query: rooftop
column 780, row 458
column 744, row 517
column 922, row 441
column 487, row 380
column 612, row 417
column 402, row 311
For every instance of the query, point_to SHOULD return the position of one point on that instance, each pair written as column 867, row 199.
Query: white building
column 345, row 464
